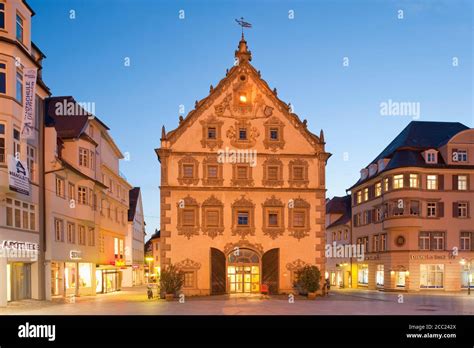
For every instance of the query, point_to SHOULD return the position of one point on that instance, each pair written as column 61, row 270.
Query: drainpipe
column 42, row 215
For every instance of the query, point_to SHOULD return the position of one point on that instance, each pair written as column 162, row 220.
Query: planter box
column 169, row 297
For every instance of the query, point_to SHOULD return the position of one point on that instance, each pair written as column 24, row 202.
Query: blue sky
column 173, row 61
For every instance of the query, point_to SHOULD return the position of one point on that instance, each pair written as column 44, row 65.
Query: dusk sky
column 173, row 61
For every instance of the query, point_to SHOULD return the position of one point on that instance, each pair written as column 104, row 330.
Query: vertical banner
column 29, row 96
column 18, row 176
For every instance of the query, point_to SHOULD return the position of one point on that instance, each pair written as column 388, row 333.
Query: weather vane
column 243, row 24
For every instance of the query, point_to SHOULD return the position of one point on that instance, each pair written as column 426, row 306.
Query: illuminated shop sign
column 17, row 245
column 75, row 255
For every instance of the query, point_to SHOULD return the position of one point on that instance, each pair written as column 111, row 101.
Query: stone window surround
column 300, row 205
column 212, row 204
column 211, row 122
column 188, row 231
column 186, row 160
column 235, row 181
column 268, row 142
column 219, row 180
column 295, row 182
column 270, row 162
column 273, row 204
column 245, row 205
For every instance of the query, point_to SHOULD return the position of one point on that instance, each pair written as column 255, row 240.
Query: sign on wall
column 18, row 176
column 29, row 93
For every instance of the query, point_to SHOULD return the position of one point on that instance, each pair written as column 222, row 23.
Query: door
column 20, row 281
column 217, row 272
column 270, row 269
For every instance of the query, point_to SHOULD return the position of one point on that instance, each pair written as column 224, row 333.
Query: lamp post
column 149, row 259
column 467, row 262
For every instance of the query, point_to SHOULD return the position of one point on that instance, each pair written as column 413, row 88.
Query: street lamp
column 467, row 262
column 149, row 259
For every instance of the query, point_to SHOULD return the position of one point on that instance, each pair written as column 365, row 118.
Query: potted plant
column 308, row 278
column 171, row 281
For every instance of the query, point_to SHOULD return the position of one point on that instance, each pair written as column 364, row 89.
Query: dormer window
column 431, row 156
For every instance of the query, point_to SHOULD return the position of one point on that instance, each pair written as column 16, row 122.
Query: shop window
column 85, row 275
column 432, row 276
column 363, row 275
column 380, row 275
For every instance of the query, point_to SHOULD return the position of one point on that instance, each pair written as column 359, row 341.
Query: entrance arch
column 243, row 271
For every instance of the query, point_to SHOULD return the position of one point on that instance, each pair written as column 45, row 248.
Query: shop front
column 72, row 278
column 18, row 263
column 108, row 279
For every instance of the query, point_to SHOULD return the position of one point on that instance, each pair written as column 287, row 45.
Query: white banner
column 29, row 96
column 18, row 176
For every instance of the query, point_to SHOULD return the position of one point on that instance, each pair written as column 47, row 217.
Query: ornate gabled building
column 242, row 189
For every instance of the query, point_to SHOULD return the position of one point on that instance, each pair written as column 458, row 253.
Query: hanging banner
column 18, row 176
column 29, row 96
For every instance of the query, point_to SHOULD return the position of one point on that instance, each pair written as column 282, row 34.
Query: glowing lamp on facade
column 243, row 98
column 462, row 262
column 407, row 273
column 392, row 272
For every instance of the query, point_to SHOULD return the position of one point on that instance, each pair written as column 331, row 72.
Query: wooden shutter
column 390, row 182
column 440, row 182
column 455, row 182
column 455, row 209
column 440, row 210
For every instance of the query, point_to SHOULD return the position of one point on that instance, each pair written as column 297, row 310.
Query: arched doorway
column 243, row 271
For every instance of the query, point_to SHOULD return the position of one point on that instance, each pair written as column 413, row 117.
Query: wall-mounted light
column 243, row 98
